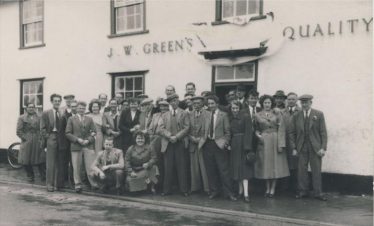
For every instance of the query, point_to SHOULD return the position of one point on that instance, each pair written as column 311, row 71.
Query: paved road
column 32, row 206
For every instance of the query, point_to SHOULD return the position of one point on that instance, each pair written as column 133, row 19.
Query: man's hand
column 115, row 134
column 133, row 174
column 173, row 139
column 105, row 168
column 85, row 142
column 321, row 152
column 281, row 149
column 80, row 141
column 294, row 152
column 102, row 175
column 145, row 165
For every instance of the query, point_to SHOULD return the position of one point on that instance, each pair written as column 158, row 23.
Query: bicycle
column 12, row 153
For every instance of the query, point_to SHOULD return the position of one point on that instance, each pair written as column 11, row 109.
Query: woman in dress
column 94, row 108
column 272, row 159
column 241, row 144
column 140, row 163
column 30, row 153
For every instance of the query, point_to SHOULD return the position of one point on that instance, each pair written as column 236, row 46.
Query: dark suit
column 125, row 124
column 215, row 154
column 110, row 125
column 246, row 110
column 174, row 153
column 64, row 155
column 53, row 139
column 81, row 128
column 308, row 136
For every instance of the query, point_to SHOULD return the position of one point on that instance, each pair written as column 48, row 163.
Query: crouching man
column 108, row 167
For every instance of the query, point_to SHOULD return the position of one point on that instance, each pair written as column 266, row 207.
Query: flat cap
column 306, row 97
column 68, row 96
column 279, row 93
column 197, row 98
column 146, row 101
column 163, row 102
column 172, row 97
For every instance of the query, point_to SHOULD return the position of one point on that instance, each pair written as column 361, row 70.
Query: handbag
column 251, row 157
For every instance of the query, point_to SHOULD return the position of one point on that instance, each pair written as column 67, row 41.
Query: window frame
column 133, row 74
column 22, row 81
column 23, row 44
column 113, row 25
column 219, row 13
column 234, row 73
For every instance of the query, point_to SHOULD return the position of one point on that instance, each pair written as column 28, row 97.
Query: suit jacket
column 65, row 143
column 47, row 125
column 287, row 119
column 108, row 123
column 195, row 132
column 80, row 129
column 153, row 128
column 183, row 125
column 221, row 131
column 317, row 131
column 126, row 123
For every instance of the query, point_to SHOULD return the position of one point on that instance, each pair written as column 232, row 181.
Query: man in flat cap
column 145, row 117
column 174, row 127
column 199, row 178
column 308, row 139
column 280, row 99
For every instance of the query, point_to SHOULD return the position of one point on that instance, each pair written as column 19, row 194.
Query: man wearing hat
column 280, row 99
column 199, row 178
column 308, row 139
column 142, row 97
column 174, row 127
column 145, row 117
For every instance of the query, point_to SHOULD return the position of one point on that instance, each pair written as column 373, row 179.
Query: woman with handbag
column 241, row 168
column 271, row 134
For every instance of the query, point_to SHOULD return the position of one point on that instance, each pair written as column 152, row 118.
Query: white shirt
column 252, row 111
column 133, row 113
column 214, row 123
column 80, row 117
column 68, row 110
column 174, row 111
column 54, row 117
column 307, row 113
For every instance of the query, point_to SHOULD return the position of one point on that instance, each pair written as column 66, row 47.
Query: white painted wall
column 335, row 69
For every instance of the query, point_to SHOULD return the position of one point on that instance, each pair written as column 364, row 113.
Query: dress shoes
column 246, row 199
column 78, row 190
column 213, row 195
column 321, row 198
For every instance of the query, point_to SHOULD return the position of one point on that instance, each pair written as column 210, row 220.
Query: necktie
column 197, row 114
column 57, row 122
column 291, row 111
column 174, row 113
column 306, row 121
column 211, row 128
column 115, row 123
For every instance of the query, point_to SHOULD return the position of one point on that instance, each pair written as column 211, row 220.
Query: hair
column 291, row 93
column 265, row 97
column 141, row 133
column 133, row 100
column 28, row 103
column 112, row 100
column 55, row 95
column 119, row 93
column 171, row 87
column 82, row 103
column 102, row 94
column 237, row 103
column 206, row 93
column 212, row 97
column 253, row 93
column 110, row 138
column 94, row 101
column 191, row 84
column 74, row 101
column 188, row 94
column 125, row 100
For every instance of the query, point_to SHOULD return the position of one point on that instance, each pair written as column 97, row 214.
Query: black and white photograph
column 186, row 112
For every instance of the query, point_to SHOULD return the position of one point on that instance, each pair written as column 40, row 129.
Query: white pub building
column 87, row 47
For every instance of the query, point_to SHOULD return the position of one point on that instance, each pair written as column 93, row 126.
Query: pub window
column 226, row 9
column 128, row 17
column 227, row 78
column 31, row 17
column 32, row 92
column 130, row 84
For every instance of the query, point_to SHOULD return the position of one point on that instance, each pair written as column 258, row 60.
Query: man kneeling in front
column 108, row 167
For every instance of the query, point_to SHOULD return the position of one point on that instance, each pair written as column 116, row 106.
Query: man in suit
column 169, row 90
column 111, row 121
column 280, row 99
column 240, row 95
column 309, row 140
column 191, row 88
column 146, row 113
column 252, row 110
column 80, row 131
column 129, row 123
column 119, row 98
column 65, row 166
column 216, row 138
column 51, row 131
column 103, row 99
column 174, row 128
column 288, row 113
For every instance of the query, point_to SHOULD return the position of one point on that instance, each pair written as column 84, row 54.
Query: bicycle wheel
column 13, row 155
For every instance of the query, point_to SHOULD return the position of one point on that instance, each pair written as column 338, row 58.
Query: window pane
column 138, row 93
column 25, row 100
column 39, row 100
column 241, row 7
column 32, row 99
column 130, row 10
column 26, row 88
column 129, row 95
column 129, row 84
column 138, row 21
column 120, row 84
column 138, row 8
column 224, row 73
column 32, row 88
column 252, row 6
column 245, row 71
column 130, row 22
column 40, row 87
column 138, row 83
column 228, row 8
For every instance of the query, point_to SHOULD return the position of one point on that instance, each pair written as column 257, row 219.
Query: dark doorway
column 221, row 89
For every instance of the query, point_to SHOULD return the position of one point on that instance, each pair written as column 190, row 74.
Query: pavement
column 283, row 209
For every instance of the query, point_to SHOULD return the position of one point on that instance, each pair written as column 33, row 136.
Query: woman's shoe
column 271, row 195
column 246, row 199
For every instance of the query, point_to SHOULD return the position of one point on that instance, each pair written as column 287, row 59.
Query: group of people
column 138, row 144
